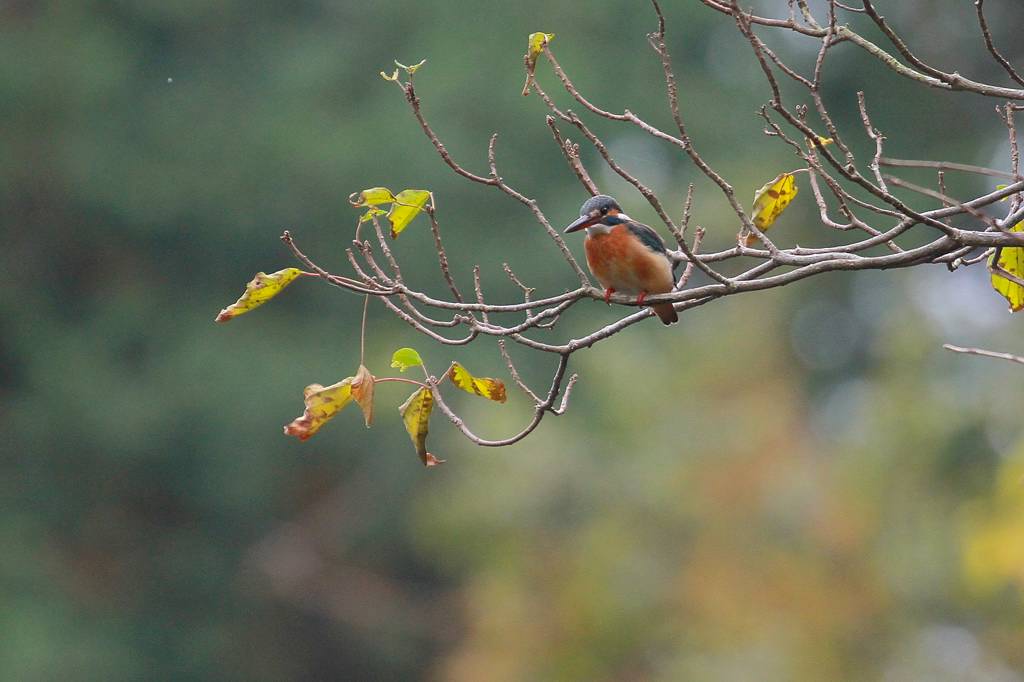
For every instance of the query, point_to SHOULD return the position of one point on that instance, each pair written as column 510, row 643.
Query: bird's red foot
column 641, row 297
column 608, row 294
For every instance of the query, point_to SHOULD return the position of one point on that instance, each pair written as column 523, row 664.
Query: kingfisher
column 625, row 256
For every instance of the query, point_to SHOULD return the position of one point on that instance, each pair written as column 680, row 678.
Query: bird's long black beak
column 580, row 223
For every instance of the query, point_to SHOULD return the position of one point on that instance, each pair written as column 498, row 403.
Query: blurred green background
column 798, row 484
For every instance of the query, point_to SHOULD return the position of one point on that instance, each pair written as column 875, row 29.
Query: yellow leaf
column 416, row 415
column 534, row 46
column 536, row 43
column 408, row 204
column 261, row 289
column 404, row 358
column 362, row 392
column 321, row 405
column 822, row 141
column 393, row 77
column 371, row 197
column 492, row 389
column 770, row 201
column 1011, row 259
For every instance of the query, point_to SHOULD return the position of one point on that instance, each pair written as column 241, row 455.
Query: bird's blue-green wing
column 649, row 237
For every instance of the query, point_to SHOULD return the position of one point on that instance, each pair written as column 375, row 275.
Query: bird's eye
column 604, row 210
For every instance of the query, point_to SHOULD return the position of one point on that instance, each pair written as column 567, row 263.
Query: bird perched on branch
column 625, row 256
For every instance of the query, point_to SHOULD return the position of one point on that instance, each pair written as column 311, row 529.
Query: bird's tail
column 665, row 312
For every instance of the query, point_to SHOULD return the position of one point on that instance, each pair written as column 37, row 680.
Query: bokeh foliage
column 792, row 485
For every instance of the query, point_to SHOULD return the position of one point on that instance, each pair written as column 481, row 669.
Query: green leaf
column 416, row 416
column 408, row 204
column 370, row 213
column 261, row 289
column 404, row 358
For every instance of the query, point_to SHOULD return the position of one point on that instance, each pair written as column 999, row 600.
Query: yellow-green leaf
column 416, row 416
column 261, row 289
column 492, row 389
column 408, row 204
column 411, row 69
column 393, row 77
column 371, row 197
column 1011, row 259
column 322, row 403
column 770, row 201
column 534, row 46
column 362, row 392
column 370, row 213
column 536, row 43
column 404, row 358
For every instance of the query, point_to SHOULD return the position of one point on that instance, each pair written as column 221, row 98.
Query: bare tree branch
column 835, row 174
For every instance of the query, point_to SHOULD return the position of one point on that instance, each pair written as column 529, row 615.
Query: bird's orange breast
column 619, row 260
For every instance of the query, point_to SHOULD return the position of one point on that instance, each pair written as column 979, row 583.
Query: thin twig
column 944, row 198
column 362, row 332
column 945, row 166
column 1011, row 129
column 494, row 179
column 572, row 156
column 846, row 34
column 384, row 380
column 987, row 34
column 442, row 257
column 984, row 353
column 876, row 137
column 698, row 236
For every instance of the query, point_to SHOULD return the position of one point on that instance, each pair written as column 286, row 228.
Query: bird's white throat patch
column 601, row 228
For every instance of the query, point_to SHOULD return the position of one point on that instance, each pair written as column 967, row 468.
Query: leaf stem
column 362, row 332
column 378, row 380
